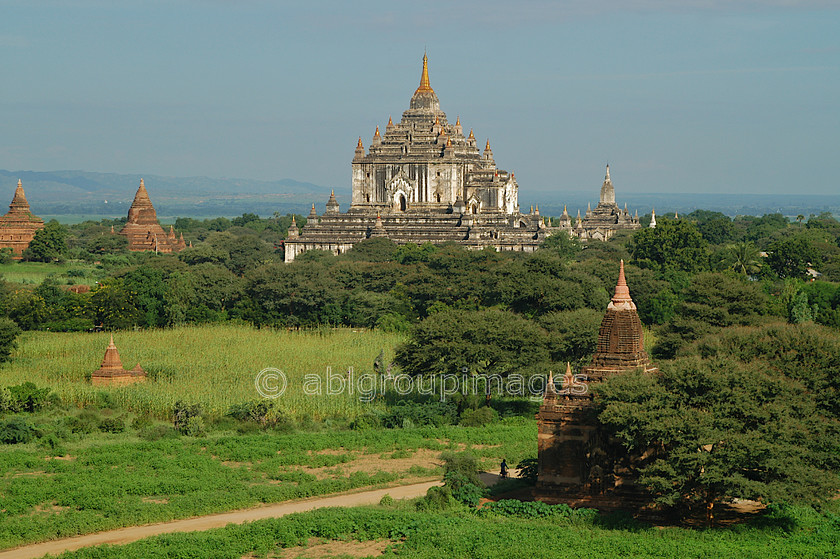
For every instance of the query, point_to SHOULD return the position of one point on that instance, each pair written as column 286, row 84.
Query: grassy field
column 33, row 273
column 400, row 531
column 215, row 366
column 104, row 481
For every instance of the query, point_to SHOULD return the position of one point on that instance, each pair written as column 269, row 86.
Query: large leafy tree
column 721, row 429
column 710, row 302
column 790, row 258
column 48, row 245
column 807, row 353
column 672, row 245
column 481, row 342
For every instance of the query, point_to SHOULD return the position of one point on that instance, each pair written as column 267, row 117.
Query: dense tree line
column 688, row 276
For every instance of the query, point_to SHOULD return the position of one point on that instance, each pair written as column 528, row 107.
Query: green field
column 215, row 366
column 105, row 481
column 33, row 273
column 400, row 531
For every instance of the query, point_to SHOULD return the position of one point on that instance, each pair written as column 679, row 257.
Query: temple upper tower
column 424, row 97
column 607, row 190
column 424, row 163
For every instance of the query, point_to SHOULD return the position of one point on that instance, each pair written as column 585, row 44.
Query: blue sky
column 692, row 96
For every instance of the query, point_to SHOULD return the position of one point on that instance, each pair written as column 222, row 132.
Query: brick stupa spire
column 143, row 230
column 112, row 372
column 576, row 458
column 18, row 226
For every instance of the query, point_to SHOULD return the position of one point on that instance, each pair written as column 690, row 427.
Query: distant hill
column 66, row 193
column 81, row 192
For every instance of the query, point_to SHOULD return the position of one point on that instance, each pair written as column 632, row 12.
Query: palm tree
column 799, row 218
column 744, row 258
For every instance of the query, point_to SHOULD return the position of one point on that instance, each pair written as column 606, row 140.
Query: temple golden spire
column 390, row 122
column 424, row 78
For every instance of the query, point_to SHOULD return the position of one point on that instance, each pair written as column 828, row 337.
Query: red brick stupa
column 18, row 226
column 143, row 230
column 112, row 373
column 577, row 461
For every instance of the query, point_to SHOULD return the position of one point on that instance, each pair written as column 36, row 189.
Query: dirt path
column 133, row 533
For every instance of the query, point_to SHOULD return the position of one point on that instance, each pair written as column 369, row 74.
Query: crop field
column 105, row 481
column 215, row 366
column 33, row 273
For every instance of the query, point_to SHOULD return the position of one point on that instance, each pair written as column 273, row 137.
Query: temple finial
column 424, row 78
column 360, row 144
column 20, row 184
column 550, row 389
column 487, row 145
column 622, row 292
column 606, row 178
column 390, row 122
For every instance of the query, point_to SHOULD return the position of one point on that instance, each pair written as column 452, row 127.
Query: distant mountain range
column 74, row 193
column 81, row 192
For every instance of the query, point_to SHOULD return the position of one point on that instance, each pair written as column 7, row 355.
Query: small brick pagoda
column 112, row 373
column 577, row 461
column 18, row 226
column 143, row 230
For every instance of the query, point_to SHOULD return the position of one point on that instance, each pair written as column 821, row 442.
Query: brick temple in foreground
column 111, row 371
column 18, row 226
column 143, row 230
column 577, row 461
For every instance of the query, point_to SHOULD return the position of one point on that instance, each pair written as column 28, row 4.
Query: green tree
column 672, row 245
column 561, row 243
column 720, row 430
column 9, row 331
column 48, row 245
column 107, row 242
column 712, row 301
column 807, row 353
column 572, row 335
column 743, row 258
column 790, row 258
column 480, row 342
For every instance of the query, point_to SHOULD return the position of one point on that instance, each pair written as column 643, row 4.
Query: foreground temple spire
column 577, row 459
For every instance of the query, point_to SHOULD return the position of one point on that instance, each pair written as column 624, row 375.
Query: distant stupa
column 18, row 226
column 143, row 230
